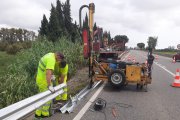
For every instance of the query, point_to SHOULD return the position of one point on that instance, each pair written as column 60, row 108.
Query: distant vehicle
column 176, row 56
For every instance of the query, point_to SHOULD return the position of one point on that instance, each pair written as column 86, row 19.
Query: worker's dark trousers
column 149, row 70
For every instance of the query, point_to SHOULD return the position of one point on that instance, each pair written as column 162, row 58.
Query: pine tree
column 75, row 23
column 95, row 27
column 86, row 22
column 75, row 33
column 109, row 37
column 44, row 26
column 67, row 17
column 60, row 15
column 83, row 24
column 54, row 29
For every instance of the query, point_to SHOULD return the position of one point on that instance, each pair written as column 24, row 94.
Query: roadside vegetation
column 18, row 71
column 168, row 52
column 152, row 43
column 5, row 60
column 19, row 80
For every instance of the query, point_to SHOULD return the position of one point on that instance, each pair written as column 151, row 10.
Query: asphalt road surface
column 161, row 102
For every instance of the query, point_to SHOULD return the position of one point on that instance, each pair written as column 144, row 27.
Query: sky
column 138, row 19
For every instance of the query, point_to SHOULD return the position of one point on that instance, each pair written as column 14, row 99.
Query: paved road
column 161, row 102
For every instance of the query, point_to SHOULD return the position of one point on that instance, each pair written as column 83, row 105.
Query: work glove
column 53, row 78
column 51, row 88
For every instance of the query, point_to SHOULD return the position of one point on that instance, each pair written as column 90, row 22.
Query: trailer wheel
column 117, row 78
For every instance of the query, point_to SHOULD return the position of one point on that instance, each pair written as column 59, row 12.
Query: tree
column 95, row 27
column 67, row 17
column 141, row 45
column 44, row 26
column 14, row 35
column 121, row 38
column 75, row 23
column 85, row 22
column 19, row 34
column 54, row 29
column 152, row 42
column 109, row 37
column 60, row 15
column 171, row 47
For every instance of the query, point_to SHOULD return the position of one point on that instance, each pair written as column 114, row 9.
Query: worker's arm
column 48, row 76
column 61, row 79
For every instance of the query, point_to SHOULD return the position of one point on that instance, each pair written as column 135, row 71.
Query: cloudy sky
column 138, row 19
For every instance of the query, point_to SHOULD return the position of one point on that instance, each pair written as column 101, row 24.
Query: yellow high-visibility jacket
column 48, row 61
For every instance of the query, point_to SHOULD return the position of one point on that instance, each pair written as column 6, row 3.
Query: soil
column 78, row 81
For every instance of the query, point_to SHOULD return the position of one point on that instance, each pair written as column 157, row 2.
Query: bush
column 26, row 44
column 3, row 45
column 14, row 48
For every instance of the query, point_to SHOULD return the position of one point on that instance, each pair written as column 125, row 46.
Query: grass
column 169, row 53
column 5, row 60
column 77, row 88
column 166, row 53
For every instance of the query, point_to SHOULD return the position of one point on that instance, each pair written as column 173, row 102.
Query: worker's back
column 46, row 62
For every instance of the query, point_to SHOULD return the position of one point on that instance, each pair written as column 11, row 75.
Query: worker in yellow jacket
column 48, row 65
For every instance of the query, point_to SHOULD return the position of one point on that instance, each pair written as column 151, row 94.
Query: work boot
column 55, row 108
column 37, row 117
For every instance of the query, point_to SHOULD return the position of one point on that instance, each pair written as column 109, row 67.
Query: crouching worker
column 47, row 66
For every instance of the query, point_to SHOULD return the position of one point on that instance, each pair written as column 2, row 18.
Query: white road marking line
column 165, row 69
column 88, row 104
column 164, row 66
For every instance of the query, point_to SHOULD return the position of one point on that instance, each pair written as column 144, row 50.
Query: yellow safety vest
column 48, row 61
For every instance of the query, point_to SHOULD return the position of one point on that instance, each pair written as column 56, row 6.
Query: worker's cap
column 60, row 55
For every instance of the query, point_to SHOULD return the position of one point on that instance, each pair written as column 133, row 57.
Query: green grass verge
column 169, row 53
column 166, row 54
column 5, row 60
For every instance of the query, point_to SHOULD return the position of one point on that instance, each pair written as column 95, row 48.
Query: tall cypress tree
column 60, row 15
column 83, row 24
column 54, row 29
column 95, row 27
column 44, row 26
column 75, row 23
column 86, row 21
column 109, row 36
column 67, row 17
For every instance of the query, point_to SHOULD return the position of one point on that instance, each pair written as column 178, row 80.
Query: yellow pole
column 91, row 24
column 91, row 16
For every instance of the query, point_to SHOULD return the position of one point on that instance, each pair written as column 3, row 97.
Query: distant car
column 176, row 56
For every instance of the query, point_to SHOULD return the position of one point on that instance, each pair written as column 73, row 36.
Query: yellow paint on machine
column 133, row 73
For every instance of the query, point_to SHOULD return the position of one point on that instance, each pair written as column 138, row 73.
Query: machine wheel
column 117, row 78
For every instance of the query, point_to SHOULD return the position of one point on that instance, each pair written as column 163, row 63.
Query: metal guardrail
column 28, row 105
column 73, row 102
